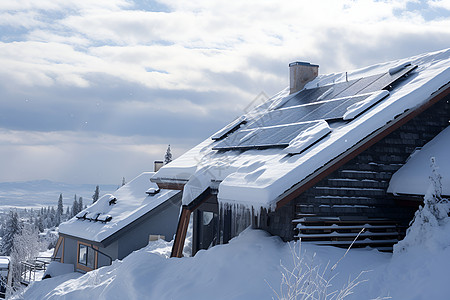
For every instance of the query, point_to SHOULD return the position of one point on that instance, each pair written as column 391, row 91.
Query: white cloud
column 78, row 157
column 106, row 65
column 445, row 4
column 174, row 50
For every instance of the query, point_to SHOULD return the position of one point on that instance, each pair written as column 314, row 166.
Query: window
column 86, row 257
column 82, row 254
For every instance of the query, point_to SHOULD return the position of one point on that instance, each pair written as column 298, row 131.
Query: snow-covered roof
column 413, row 177
column 113, row 212
column 259, row 177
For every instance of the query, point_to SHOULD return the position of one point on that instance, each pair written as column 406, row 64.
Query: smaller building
column 118, row 224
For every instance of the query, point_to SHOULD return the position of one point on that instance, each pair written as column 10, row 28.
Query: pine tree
column 80, row 204
column 168, row 156
column 12, row 228
column 429, row 217
column 59, row 210
column 40, row 224
column 123, row 181
column 75, row 206
column 96, row 194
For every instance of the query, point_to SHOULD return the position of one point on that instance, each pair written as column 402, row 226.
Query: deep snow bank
column 240, row 270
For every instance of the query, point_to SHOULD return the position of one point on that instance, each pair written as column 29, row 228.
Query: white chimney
column 300, row 73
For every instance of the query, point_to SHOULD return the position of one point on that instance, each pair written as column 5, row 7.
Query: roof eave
column 169, row 183
column 87, row 241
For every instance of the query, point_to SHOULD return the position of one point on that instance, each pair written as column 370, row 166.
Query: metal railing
column 29, row 268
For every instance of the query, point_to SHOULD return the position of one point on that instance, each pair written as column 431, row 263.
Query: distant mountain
column 38, row 193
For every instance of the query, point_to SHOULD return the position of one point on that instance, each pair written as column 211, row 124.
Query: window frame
column 85, row 265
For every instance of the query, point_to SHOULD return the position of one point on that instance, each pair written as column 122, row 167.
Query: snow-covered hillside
column 38, row 193
column 248, row 268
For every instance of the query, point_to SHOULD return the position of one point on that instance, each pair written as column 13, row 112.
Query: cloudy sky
column 91, row 91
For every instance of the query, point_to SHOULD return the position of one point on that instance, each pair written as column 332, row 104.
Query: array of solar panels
column 277, row 127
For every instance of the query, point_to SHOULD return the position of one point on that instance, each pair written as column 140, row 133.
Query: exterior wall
column 279, row 222
column 112, row 250
column 359, row 187
column 207, row 230
column 70, row 251
column 163, row 221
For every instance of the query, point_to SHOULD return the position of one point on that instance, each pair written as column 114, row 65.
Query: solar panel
column 338, row 111
column 387, row 80
column 358, row 85
column 275, row 136
column 316, row 94
column 276, row 128
column 363, row 85
column 229, row 128
column 324, row 110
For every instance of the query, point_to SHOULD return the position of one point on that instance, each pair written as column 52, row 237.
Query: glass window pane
column 90, row 258
column 82, row 254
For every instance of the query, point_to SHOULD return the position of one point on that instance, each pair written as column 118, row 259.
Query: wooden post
column 183, row 223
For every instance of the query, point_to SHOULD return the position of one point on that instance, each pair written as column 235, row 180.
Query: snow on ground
column 244, row 269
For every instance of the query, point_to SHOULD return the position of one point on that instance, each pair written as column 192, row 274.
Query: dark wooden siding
column 358, row 188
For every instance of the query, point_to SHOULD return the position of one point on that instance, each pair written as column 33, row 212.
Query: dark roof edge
column 302, row 63
column 300, row 187
column 65, row 235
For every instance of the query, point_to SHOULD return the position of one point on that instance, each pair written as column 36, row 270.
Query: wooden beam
column 183, row 222
column 180, row 236
column 170, row 186
column 360, row 147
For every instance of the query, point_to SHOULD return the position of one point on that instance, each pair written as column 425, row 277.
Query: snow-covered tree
column 96, row 194
column 39, row 224
column 429, row 219
column 25, row 247
column 12, row 227
column 59, row 210
column 80, row 204
column 168, row 156
column 75, row 207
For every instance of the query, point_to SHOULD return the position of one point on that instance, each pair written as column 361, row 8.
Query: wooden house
column 118, row 224
column 314, row 162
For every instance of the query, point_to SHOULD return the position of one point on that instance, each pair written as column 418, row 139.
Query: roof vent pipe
column 300, row 73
